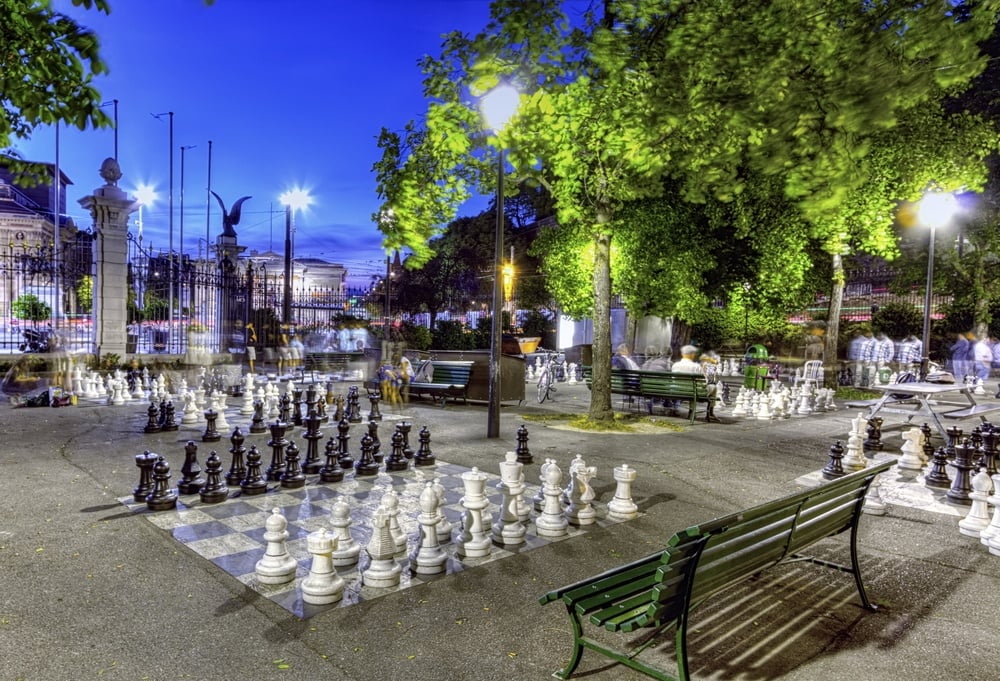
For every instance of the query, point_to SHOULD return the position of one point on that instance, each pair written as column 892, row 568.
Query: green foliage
column 898, row 320
column 537, row 323
column 85, row 293
column 452, row 335
column 416, row 336
column 47, row 66
column 770, row 115
column 30, row 308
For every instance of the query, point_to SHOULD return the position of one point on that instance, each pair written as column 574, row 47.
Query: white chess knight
column 913, row 451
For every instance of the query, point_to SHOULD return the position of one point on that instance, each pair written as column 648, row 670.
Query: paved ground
column 90, row 591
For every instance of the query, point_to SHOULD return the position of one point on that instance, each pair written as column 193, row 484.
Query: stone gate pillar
column 110, row 208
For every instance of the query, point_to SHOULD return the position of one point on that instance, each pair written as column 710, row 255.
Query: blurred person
column 622, row 358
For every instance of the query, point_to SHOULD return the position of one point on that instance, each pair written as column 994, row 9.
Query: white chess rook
column 323, row 585
column 621, row 506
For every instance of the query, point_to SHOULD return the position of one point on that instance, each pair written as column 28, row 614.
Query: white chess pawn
column 873, row 498
column 347, row 550
column 572, row 373
column 621, row 507
column 277, row 566
column 428, row 558
column 993, row 529
column 978, row 518
column 444, row 526
column 219, row 402
column 551, row 522
column 391, row 503
column 323, row 585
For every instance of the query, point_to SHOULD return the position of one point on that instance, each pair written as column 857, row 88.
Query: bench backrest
column 452, row 372
column 740, row 545
column 654, row 383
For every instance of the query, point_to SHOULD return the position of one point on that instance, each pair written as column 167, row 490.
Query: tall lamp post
column 936, row 210
column 497, row 105
column 292, row 200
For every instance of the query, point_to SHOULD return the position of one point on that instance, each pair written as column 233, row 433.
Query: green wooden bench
column 450, row 379
column 665, row 385
column 328, row 362
column 661, row 590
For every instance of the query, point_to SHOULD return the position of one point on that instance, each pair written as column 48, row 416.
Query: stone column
column 110, row 208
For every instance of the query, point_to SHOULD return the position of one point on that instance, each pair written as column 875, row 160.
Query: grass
column 848, row 393
column 622, row 422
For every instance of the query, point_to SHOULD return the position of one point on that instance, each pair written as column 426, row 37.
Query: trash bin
column 754, row 367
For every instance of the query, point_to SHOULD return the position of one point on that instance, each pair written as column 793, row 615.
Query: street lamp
column 292, row 200
column 497, row 106
column 935, row 210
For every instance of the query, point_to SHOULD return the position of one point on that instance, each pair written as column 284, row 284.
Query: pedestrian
column 959, row 357
column 622, row 358
column 982, row 357
column 655, row 361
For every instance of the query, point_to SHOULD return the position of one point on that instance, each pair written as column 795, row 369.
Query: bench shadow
column 787, row 617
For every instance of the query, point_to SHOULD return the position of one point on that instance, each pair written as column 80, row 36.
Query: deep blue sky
column 291, row 92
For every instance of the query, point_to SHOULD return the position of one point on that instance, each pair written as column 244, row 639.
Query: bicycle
column 548, row 375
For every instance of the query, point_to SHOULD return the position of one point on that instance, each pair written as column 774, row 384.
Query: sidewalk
column 89, row 590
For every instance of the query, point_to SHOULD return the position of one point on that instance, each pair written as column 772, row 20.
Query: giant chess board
column 231, row 534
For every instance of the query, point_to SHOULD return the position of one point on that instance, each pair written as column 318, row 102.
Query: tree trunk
column 830, row 361
column 600, row 389
column 981, row 299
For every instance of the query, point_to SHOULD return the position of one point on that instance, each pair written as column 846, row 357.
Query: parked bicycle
column 35, row 340
column 551, row 371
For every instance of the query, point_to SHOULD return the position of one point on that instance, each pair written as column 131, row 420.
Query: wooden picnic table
column 925, row 399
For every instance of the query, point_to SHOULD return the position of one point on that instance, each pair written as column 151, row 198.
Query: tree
column 48, row 63
column 706, row 94
column 31, row 308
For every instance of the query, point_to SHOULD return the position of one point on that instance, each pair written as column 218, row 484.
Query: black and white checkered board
column 231, row 533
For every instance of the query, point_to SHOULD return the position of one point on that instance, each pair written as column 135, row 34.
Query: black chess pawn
column 277, row 443
column 169, row 420
column 424, row 455
column 366, row 464
column 376, row 443
column 396, row 461
column 954, row 439
column 254, row 482
column 292, row 477
column 338, row 410
column 163, row 413
column 237, row 469
column 312, row 464
column 153, row 424
column 937, row 476
column 928, row 445
column 162, row 498
column 404, row 428
column 145, row 462
column 874, row 439
column 297, row 406
column 331, row 470
column 353, row 405
column 343, row 437
column 191, row 480
column 522, row 451
column 257, row 424
column 284, row 407
column 215, row 489
column 962, row 484
column 321, row 411
column 373, row 398
column 834, row 468
column 211, row 433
